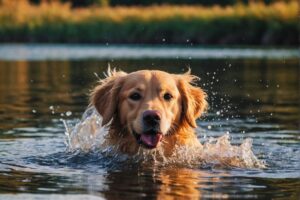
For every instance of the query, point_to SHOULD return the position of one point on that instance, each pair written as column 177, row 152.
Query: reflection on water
column 13, row 52
column 254, row 86
column 248, row 98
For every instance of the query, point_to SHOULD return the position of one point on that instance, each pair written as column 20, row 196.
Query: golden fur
column 112, row 99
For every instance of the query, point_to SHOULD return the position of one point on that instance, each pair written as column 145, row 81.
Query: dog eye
column 168, row 96
column 135, row 96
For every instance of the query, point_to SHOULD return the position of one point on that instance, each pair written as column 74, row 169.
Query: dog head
column 149, row 105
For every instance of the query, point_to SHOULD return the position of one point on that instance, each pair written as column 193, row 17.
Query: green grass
column 275, row 24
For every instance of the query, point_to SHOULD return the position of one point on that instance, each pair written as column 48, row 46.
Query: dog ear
column 194, row 102
column 104, row 97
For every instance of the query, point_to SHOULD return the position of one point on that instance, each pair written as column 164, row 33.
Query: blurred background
column 234, row 22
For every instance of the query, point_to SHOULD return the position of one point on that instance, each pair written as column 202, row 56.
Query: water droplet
column 68, row 113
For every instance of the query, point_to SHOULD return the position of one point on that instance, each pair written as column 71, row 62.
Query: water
column 250, row 97
column 77, row 52
column 88, row 135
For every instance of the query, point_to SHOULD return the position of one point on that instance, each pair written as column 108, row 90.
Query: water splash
column 88, row 135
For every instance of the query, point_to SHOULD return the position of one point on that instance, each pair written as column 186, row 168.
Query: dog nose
column 151, row 117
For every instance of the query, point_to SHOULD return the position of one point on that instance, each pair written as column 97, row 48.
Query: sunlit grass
column 56, row 18
column 21, row 12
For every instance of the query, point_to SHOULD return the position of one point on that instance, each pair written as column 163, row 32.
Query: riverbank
column 254, row 24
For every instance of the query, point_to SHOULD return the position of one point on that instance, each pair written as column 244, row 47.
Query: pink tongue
column 151, row 140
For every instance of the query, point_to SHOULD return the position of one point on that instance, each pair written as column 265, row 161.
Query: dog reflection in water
column 165, row 183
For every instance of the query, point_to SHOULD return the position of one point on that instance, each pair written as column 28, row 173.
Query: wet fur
column 106, row 98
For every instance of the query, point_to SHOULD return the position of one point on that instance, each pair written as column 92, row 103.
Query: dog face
column 151, row 101
column 149, row 105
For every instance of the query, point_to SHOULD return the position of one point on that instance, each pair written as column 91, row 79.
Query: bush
column 256, row 23
column 85, row 3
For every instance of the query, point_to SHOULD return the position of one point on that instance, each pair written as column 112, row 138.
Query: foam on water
column 88, row 135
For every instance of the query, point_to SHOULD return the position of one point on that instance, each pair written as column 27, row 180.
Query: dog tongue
column 151, row 140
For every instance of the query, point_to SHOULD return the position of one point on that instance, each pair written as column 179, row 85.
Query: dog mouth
column 149, row 139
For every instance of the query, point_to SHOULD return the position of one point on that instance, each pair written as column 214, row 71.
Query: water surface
column 249, row 97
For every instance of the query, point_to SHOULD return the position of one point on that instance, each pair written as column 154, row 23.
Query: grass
column 256, row 23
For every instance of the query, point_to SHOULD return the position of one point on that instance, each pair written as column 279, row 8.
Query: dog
column 149, row 109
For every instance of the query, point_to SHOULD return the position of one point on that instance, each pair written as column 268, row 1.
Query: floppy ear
column 193, row 99
column 104, row 97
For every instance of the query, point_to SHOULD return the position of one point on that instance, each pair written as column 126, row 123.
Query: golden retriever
column 149, row 109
